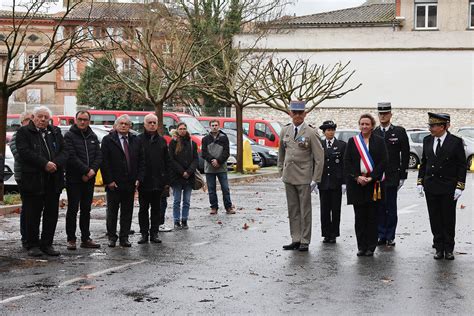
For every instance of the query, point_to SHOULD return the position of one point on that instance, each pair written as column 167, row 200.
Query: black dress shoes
column 326, row 240
column 292, row 246
column 391, row 243
column 369, row 253
column 449, row 256
column 155, row 239
column 332, row 240
column 360, row 253
column 381, row 242
column 50, row 251
column 143, row 239
column 112, row 243
column 439, row 255
column 35, row 252
column 125, row 243
column 303, row 247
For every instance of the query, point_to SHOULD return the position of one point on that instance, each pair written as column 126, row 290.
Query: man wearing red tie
column 122, row 170
column 442, row 178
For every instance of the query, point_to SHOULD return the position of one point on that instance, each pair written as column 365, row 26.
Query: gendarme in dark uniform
column 442, row 177
column 396, row 173
column 330, row 187
column 300, row 163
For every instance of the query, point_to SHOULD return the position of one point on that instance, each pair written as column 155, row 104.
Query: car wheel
column 262, row 162
column 413, row 162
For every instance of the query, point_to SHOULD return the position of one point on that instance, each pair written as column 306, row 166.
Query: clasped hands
column 363, row 180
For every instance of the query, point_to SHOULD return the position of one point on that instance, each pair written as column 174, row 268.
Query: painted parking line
column 19, row 297
column 95, row 274
column 408, row 209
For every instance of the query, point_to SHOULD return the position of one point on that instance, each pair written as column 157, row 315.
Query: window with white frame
column 33, row 96
column 471, row 14
column 33, row 61
column 426, row 14
column 70, row 70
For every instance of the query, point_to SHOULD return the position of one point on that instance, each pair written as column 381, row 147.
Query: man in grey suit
column 300, row 163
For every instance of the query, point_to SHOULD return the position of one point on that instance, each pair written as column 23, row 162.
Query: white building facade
column 416, row 54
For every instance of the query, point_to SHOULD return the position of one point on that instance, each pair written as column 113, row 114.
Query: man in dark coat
column 396, row 173
column 41, row 149
column 215, row 152
column 84, row 161
column 332, row 182
column 442, row 177
column 123, row 169
column 156, row 178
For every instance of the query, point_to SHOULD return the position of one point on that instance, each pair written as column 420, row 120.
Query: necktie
column 126, row 152
column 43, row 136
column 329, row 144
column 383, row 132
column 296, row 132
column 438, row 147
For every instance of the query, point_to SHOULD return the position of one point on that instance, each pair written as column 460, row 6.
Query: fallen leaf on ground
column 387, row 280
column 98, row 202
column 462, row 206
column 245, row 226
column 259, row 209
column 62, row 203
column 87, row 287
column 219, row 222
column 461, row 253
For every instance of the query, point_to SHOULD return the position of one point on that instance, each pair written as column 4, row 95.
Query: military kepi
column 297, row 105
column 384, row 107
column 438, row 118
column 328, row 124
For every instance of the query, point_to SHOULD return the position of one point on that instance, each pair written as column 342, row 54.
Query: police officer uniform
column 442, row 176
column 396, row 173
column 300, row 163
column 330, row 187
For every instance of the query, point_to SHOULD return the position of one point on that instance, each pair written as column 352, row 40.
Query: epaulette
column 461, row 185
column 288, row 124
column 313, row 127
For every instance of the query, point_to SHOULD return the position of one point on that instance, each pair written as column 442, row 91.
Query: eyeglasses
column 152, row 122
column 83, row 119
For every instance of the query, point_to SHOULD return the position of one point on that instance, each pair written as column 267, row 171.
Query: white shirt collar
column 298, row 127
column 442, row 138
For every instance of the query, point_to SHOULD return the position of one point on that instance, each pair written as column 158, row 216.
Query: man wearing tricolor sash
column 364, row 166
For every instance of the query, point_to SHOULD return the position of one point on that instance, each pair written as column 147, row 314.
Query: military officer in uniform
column 396, row 173
column 300, row 163
column 332, row 184
column 441, row 178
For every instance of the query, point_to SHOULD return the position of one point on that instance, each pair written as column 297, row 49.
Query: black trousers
column 366, row 225
column 330, row 202
column 387, row 214
column 79, row 195
column 442, row 211
column 163, row 206
column 35, row 206
column 149, row 200
column 122, row 200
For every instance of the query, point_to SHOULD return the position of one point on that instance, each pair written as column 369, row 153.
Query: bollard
column 247, row 158
column 472, row 164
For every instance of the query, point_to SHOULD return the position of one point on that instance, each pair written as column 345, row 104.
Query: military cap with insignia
column 438, row 118
column 328, row 124
column 297, row 105
column 384, row 107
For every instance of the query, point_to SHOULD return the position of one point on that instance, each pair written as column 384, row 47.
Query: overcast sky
column 305, row 7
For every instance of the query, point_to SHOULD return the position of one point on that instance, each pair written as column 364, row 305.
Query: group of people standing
column 371, row 168
column 45, row 163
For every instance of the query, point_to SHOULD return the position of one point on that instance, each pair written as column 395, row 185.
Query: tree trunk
column 159, row 114
column 3, row 131
column 240, row 143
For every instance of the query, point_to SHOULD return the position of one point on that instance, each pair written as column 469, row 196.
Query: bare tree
column 157, row 56
column 302, row 80
column 31, row 47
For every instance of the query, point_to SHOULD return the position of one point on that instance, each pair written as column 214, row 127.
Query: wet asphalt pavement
column 218, row 267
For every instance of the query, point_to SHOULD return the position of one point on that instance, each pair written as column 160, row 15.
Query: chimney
column 398, row 6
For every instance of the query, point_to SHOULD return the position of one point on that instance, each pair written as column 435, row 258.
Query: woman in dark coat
column 184, row 161
column 364, row 165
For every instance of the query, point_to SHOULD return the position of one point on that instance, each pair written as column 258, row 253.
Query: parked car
column 100, row 130
column 8, row 176
column 268, row 155
column 232, row 161
column 467, row 131
column 344, row 134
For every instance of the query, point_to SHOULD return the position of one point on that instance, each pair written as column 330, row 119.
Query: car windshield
column 194, row 127
column 277, row 127
column 101, row 133
column 466, row 133
column 233, row 139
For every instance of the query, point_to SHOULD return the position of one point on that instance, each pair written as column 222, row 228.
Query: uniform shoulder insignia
column 460, row 185
column 310, row 125
column 288, row 124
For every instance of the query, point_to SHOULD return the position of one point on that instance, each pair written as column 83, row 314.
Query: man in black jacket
column 84, row 161
column 332, row 182
column 396, row 173
column 122, row 171
column 215, row 152
column 442, row 177
column 156, row 178
column 41, row 149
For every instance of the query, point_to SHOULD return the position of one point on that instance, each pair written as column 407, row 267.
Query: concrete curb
column 10, row 209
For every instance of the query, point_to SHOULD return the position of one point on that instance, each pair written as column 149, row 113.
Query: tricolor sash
column 368, row 163
column 364, row 153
